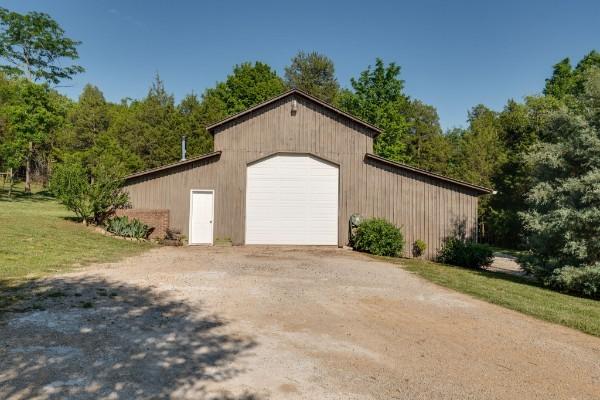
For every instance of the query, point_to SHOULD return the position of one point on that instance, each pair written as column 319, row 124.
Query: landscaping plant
column 419, row 248
column 122, row 226
column 465, row 253
column 378, row 236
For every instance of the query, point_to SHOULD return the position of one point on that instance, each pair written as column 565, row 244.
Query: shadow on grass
column 88, row 338
column 21, row 196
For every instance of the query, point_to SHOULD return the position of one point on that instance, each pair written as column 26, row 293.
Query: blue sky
column 454, row 54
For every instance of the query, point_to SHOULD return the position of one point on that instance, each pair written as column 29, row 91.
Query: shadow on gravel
column 90, row 338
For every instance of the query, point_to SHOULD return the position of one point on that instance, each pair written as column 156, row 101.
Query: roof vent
column 183, row 148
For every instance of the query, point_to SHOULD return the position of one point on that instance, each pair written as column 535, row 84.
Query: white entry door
column 201, row 217
column 292, row 199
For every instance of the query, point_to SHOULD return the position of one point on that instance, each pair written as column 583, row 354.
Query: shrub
column 379, row 237
column 419, row 248
column 584, row 281
column 465, row 253
column 91, row 198
column 121, row 226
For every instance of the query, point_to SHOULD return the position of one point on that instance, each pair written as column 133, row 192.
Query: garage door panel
column 292, row 199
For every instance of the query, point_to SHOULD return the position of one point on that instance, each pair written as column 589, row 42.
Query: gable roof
column 300, row 93
column 173, row 165
column 476, row 188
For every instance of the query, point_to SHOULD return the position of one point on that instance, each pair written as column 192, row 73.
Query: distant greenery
column 40, row 237
column 313, row 73
column 513, row 292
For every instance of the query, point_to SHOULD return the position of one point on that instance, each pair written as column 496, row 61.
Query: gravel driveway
column 278, row 323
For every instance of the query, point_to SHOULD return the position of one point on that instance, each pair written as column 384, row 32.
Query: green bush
column 379, row 237
column 91, row 198
column 419, row 248
column 121, row 226
column 583, row 281
column 465, row 253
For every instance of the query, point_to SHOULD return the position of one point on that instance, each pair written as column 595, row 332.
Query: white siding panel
column 292, row 199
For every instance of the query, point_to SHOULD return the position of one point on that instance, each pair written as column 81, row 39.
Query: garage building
column 292, row 171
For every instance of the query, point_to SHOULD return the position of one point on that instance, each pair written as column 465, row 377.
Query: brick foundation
column 157, row 219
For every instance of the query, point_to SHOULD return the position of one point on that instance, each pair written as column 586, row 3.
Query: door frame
column 212, row 225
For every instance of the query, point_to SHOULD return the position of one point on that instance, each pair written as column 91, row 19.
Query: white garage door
column 292, row 199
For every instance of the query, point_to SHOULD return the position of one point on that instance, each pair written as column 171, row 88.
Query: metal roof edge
column 482, row 190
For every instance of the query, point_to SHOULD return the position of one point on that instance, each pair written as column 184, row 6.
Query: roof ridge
column 288, row 93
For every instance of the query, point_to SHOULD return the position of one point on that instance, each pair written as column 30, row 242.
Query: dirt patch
column 507, row 264
column 279, row 323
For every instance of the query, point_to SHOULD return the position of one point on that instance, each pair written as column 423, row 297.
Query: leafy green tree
column 520, row 128
column 561, row 83
column 89, row 118
column 108, row 151
column 567, row 82
column 32, row 118
column 479, row 156
column 427, row 147
column 378, row 98
column 150, row 128
column 482, row 151
column 92, row 197
column 34, row 45
column 248, row 85
column 194, row 121
column 563, row 220
column 313, row 73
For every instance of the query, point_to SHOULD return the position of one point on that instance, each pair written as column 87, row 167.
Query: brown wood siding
column 426, row 208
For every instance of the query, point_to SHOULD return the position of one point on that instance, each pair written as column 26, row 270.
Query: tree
column 482, row 150
column 34, row 45
column 199, row 141
column 378, row 98
column 248, row 85
column 313, row 73
column 562, row 222
column 32, row 117
column 567, row 82
column 561, row 83
column 89, row 118
column 427, row 147
column 92, row 197
column 150, row 128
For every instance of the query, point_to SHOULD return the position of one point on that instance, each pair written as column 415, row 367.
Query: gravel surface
column 278, row 323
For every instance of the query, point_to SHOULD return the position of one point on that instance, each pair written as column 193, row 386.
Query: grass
column 506, row 251
column 38, row 236
column 513, row 292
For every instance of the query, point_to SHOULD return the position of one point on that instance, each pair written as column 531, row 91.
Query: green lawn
column 512, row 292
column 38, row 236
column 507, row 252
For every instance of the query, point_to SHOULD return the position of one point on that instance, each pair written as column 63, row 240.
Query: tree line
column 41, row 129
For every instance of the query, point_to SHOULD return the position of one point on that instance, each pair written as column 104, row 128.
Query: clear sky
column 454, row 54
